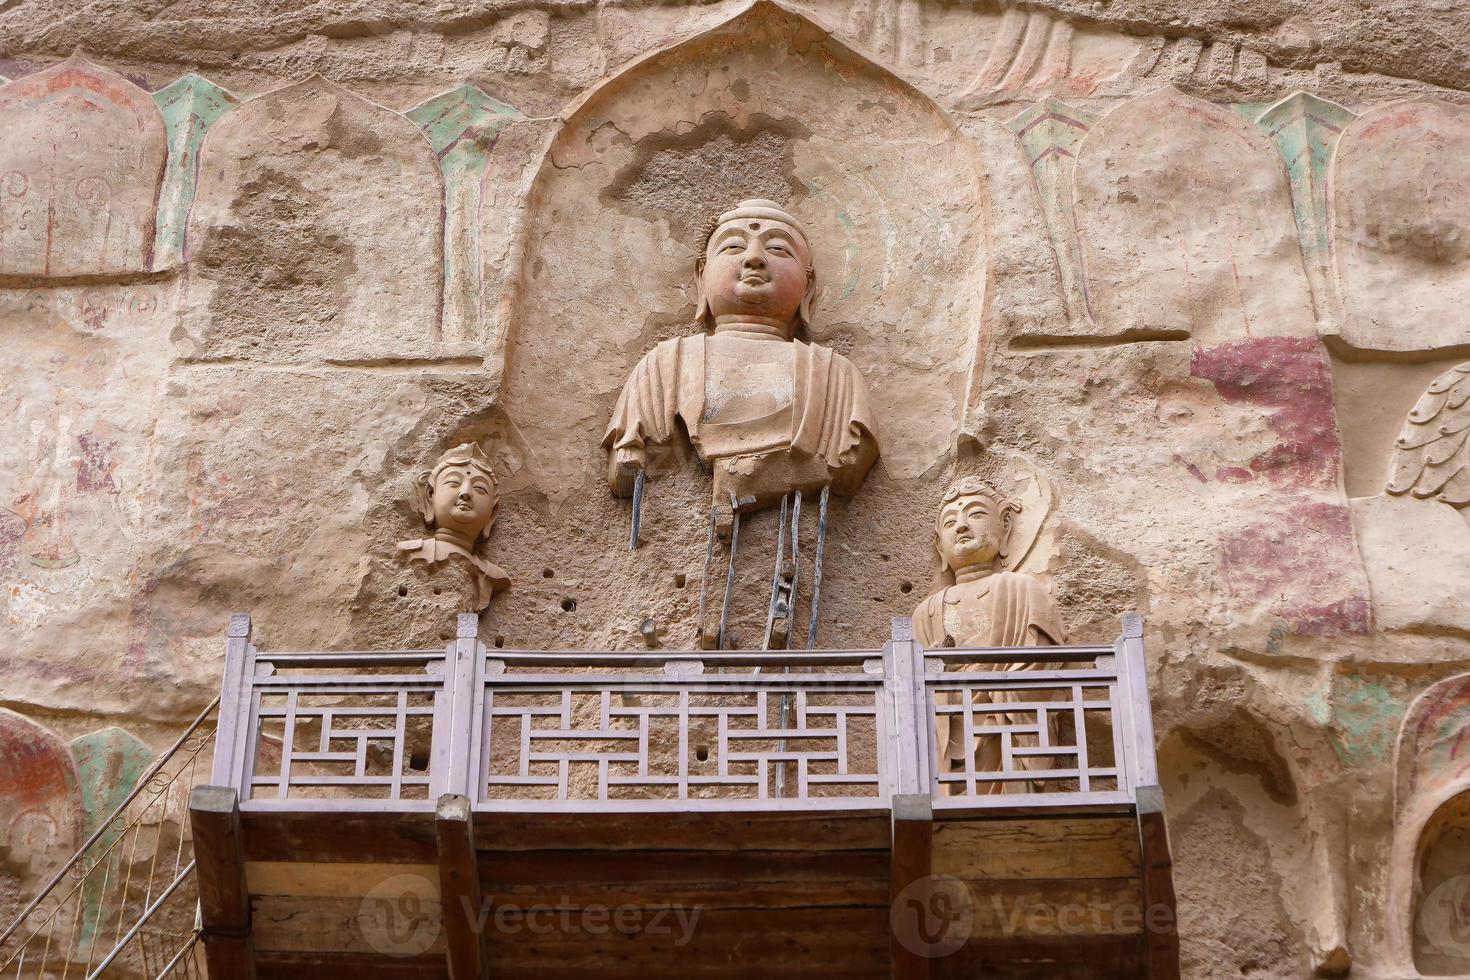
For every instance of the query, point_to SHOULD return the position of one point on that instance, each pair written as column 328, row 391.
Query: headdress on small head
column 468, row 454
column 752, row 208
column 974, row 486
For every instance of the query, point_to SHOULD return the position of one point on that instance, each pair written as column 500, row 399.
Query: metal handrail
column 105, row 825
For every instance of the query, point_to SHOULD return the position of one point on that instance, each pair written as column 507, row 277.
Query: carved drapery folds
column 80, row 165
column 1413, row 536
column 1400, row 213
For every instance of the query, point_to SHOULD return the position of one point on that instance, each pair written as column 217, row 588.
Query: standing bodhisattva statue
column 770, row 414
column 985, row 607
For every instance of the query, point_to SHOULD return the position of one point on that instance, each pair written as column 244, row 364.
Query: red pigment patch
column 1301, row 568
column 35, row 768
column 1290, row 380
column 12, row 532
column 94, row 473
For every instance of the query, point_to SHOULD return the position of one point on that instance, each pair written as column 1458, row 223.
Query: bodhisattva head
column 756, row 268
column 973, row 526
column 457, row 498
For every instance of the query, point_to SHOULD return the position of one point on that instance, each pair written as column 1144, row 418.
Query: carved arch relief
column 1428, row 887
column 40, row 799
column 316, row 233
column 888, row 189
column 1185, row 226
column 80, row 168
column 1399, row 207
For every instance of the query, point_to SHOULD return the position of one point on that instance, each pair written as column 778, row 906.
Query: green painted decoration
column 190, row 106
column 1305, row 129
column 462, row 126
column 1050, row 132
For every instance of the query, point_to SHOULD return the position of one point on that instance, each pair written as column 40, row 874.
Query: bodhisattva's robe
column 1011, row 610
column 819, row 430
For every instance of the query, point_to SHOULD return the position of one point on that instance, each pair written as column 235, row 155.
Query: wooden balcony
column 465, row 811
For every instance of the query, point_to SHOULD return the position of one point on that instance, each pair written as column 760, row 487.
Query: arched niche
column 1185, row 225
column 40, row 800
column 767, row 104
column 316, row 233
column 1399, row 207
column 80, row 167
column 1441, row 924
column 1429, row 867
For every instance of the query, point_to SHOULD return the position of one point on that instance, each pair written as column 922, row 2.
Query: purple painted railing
column 597, row 731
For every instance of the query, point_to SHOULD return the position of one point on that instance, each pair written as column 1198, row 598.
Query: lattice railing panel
column 580, row 730
column 633, row 740
column 1030, row 732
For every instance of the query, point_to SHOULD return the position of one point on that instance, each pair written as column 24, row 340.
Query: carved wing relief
column 1430, row 457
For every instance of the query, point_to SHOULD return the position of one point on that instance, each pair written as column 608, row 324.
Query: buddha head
column 457, row 498
column 974, row 525
column 756, row 267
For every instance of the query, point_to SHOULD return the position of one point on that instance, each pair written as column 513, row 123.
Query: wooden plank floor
column 707, row 895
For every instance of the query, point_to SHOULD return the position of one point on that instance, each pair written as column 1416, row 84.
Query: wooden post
column 904, row 682
column 459, row 887
column 910, row 862
column 1134, row 669
column 1161, row 911
column 231, row 735
column 455, row 753
column 219, row 864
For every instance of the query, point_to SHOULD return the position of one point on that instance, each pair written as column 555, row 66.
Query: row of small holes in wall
column 403, row 591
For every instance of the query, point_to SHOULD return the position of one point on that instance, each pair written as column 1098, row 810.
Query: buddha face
column 972, row 530
column 756, row 267
column 463, row 500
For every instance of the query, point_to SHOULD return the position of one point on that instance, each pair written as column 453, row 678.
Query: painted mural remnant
column 462, row 126
column 1400, row 215
column 190, row 107
column 80, row 167
column 1305, row 130
column 1190, row 235
column 109, row 765
column 316, row 233
column 1050, row 132
column 40, row 798
column 1311, row 576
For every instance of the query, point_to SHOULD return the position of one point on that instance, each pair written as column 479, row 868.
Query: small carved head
column 756, row 263
column 974, row 524
column 459, row 493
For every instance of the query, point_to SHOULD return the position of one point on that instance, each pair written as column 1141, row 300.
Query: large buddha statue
column 985, row 607
column 771, row 414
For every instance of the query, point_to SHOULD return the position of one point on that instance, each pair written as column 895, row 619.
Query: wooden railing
column 665, row 731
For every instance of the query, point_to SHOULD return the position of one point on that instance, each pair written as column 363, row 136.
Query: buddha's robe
column 489, row 578
column 1006, row 609
column 769, row 418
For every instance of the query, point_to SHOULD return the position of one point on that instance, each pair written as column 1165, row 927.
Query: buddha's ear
column 701, row 309
column 804, row 312
column 423, row 496
column 1007, row 524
